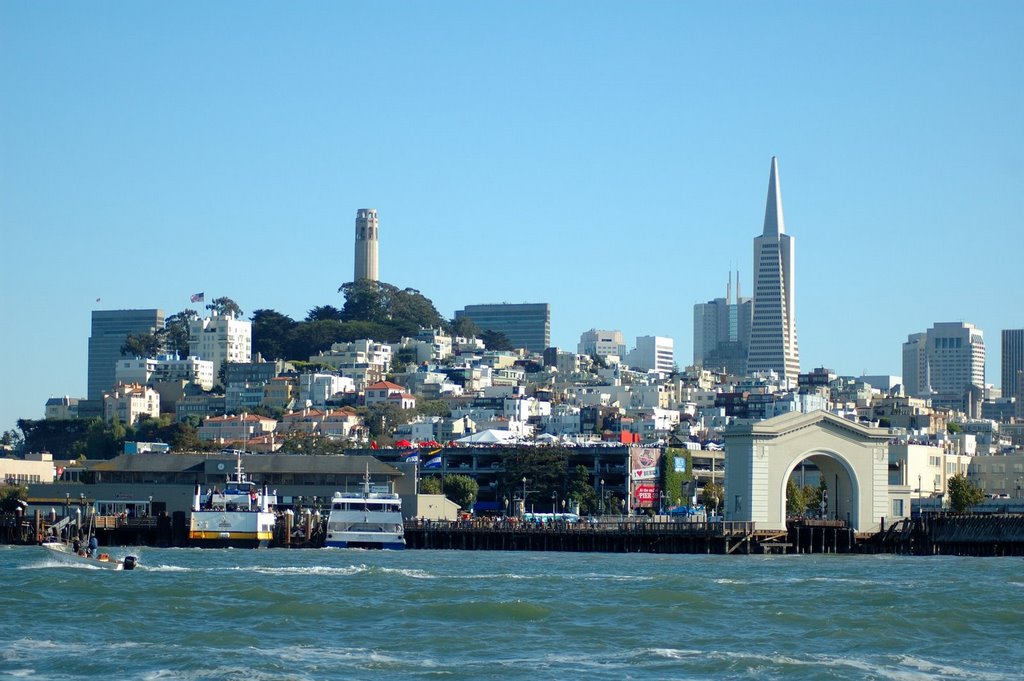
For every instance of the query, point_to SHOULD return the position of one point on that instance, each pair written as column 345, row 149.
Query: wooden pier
column 630, row 536
column 931, row 534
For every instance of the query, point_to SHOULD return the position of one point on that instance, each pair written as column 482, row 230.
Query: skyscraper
column 773, row 345
column 526, row 325
column 110, row 328
column 721, row 331
column 946, row 364
column 1013, row 360
column 366, row 245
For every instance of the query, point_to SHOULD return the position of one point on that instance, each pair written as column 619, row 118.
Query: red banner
column 646, row 495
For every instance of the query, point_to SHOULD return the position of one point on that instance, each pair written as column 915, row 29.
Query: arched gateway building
column 853, row 459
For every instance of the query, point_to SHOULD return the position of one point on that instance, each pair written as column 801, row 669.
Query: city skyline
column 608, row 161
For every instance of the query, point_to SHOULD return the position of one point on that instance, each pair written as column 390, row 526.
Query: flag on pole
column 433, row 463
column 198, row 297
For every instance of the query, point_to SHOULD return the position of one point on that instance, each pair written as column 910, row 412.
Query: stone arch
column 761, row 455
column 844, row 490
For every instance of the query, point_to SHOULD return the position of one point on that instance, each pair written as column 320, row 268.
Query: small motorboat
column 105, row 561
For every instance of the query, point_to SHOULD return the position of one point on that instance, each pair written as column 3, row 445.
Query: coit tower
column 366, row 245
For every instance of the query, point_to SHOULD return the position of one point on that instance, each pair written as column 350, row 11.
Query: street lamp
column 554, row 502
column 600, row 501
column 524, row 495
column 149, row 511
column 67, row 504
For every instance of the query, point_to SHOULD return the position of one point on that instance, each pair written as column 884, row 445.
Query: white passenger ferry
column 370, row 520
column 240, row 516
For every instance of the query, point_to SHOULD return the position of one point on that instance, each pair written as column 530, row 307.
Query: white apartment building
column 564, row 419
column 925, row 469
column 62, row 408
column 362, row 354
column 238, row 428
column 130, row 402
column 1002, row 476
column 220, row 339
column 602, row 343
column 316, row 389
column 146, row 371
column 521, row 409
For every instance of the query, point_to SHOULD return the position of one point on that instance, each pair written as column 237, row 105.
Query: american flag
column 197, row 297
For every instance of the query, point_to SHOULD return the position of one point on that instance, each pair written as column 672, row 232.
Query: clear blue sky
column 608, row 158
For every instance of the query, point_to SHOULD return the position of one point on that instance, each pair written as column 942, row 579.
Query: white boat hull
column 238, row 529
column 100, row 560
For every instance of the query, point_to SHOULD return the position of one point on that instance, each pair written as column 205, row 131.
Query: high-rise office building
column 602, row 343
column 915, row 365
column 653, row 353
column 721, row 331
column 110, row 328
column 1013, row 361
column 946, row 364
column 366, row 245
column 526, row 325
column 773, row 345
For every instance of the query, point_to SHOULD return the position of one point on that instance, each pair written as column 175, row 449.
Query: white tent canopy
column 488, row 437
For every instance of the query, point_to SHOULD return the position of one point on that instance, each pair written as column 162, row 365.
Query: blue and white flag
column 415, row 458
column 433, row 463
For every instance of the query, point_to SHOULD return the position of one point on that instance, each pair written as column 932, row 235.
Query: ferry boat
column 239, row 516
column 367, row 520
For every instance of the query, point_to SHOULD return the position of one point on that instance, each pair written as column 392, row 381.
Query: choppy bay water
column 346, row 614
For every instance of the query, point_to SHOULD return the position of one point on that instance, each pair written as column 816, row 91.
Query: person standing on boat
column 94, row 544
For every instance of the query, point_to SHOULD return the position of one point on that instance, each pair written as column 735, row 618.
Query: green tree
column 401, row 311
column 495, row 340
column 177, row 331
column 10, row 495
column 796, row 503
column 952, row 428
column 224, row 306
column 713, row 497
column 430, row 485
column 323, row 312
column 461, row 489
column 433, row 408
column 545, row 470
column 104, row 440
column 582, row 492
column 298, row 442
column 65, row 439
column 142, row 345
column 812, row 497
column 963, row 494
column 12, row 440
column 270, row 334
column 464, row 327
column 306, row 339
column 381, row 419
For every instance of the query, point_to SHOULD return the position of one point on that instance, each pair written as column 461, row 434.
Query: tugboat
column 371, row 520
column 240, row 516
